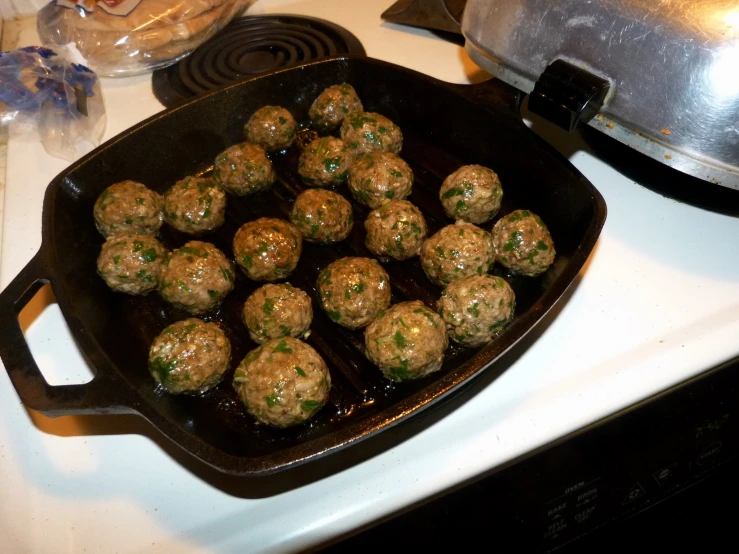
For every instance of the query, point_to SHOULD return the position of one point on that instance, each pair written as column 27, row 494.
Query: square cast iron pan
column 444, row 126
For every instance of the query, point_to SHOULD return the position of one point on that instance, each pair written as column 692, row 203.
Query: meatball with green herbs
column 244, row 169
column 476, row 309
column 380, row 177
column 371, row 132
column 271, row 127
column 283, row 383
column 523, row 244
column 325, row 162
column 128, row 207
column 333, row 105
column 195, row 205
column 196, row 277
column 131, row 263
column 396, row 230
column 277, row 311
column 267, row 249
column 352, row 291
column 322, row 216
column 407, row 341
column 190, row 356
column 472, row 193
column 457, row 251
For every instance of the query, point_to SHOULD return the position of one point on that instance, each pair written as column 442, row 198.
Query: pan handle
column 32, row 388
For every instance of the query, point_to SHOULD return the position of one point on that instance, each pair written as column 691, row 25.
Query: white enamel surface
column 657, row 303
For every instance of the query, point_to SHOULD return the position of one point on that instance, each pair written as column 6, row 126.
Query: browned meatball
column 325, row 162
column 476, row 308
column 457, row 251
column 396, row 230
column 333, row 105
column 267, row 249
column 353, row 291
column 195, row 205
column 472, row 193
column 272, row 128
column 523, row 244
column 377, row 178
column 322, row 216
column 128, row 207
column 283, row 383
column 277, row 311
column 407, row 341
column 371, row 132
column 196, row 277
column 244, row 169
column 131, row 263
column 190, row 356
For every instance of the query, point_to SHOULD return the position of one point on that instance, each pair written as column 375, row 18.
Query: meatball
column 267, row 249
column 332, row 106
column 472, row 193
column 128, row 207
column 283, row 383
column 379, row 177
column 195, row 205
column 322, row 216
column 272, row 128
column 277, row 311
column 325, row 162
column 353, row 291
column 407, row 341
column 371, row 132
column 244, row 169
column 190, row 356
column 396, row 230
column 131, row 263
column 196, row 277
column 523, row 244
column 457, row 251
column 476, row 308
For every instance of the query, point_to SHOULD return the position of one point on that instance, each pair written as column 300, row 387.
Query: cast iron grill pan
column 444, row 126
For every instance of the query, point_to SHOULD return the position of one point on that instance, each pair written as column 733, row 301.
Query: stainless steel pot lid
column 670, row 70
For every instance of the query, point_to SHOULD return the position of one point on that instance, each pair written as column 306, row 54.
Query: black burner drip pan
column 250, row 46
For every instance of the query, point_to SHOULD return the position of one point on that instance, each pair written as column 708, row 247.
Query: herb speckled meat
column 457, row 251
column 128, row 207
column 271, row 127
column 277, row 311
column 472, row 193
column 371, row 132
column 333, row 105
column 196, row 277
column 190, row 356
column 195, row 205
column 267, row 249
column 476, row 308
column 325, row 162
column 396, row 230
column 352, row 291
column 244, row 169
column 523, row 244
column 283, row 383
column 131, row 263
column 322, row 216
column 407, row 341
column 380, row 177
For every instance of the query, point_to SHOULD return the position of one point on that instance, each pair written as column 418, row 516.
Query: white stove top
column 655, row 305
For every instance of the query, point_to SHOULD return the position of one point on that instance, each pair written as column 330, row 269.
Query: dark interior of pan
column 444, row 127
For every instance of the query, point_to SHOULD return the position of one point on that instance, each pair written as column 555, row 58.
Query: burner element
column 249, row 46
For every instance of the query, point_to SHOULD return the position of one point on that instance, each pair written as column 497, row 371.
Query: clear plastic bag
column 127, row 37
column 44, row 89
